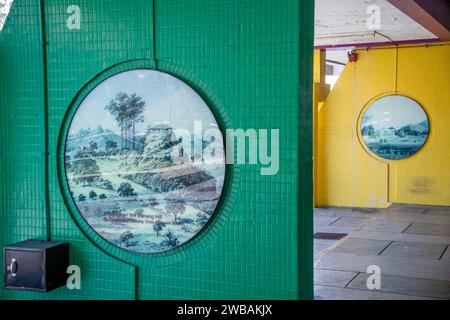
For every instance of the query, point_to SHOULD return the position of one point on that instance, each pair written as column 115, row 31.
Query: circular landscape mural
column 394, row 127
column 144, row 160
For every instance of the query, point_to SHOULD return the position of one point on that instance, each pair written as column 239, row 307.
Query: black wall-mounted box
column 36, row 265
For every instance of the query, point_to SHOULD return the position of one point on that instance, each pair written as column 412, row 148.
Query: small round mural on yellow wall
column 394, row 127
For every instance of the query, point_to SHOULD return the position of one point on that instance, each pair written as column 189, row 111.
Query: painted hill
column 419, row 129
column 84, row 137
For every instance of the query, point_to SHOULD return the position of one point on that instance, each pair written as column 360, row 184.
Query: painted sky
column 394, row 111
column 167, row 100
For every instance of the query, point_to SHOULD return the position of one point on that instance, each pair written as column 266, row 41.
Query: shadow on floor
column 409, row 245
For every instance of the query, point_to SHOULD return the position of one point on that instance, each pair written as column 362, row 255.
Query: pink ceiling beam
column 376, row 44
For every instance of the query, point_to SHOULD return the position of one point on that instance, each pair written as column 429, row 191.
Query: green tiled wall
column 251, row 60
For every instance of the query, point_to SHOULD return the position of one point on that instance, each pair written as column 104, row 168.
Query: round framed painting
column 145, row 161
column 394, row 127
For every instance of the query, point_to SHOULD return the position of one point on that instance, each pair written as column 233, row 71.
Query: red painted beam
column 433, row 15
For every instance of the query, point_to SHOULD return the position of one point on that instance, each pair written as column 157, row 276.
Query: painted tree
column 202, row 219
column 175, row 207
column 92, row 195
column 158, row 226
column 126, row 236
column 128, row 111
column 85, row 168
column 93, row 146
column 126, row 190
column 111, row 146
column 170, row 240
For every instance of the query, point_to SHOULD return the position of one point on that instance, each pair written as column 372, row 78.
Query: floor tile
column 350, row 222
column 332, row 229
column 320, row 220
column 385, row 225
column 408, row 243
column 429, row 228
column 335, row 278
column 415, row 250
column 341, row 212
column 389, row 265
column 321, row 245
column 319, row 212
column 362, row 246
column 334, row 209
column 418, row 218
column 366, row 211
column 334, row 293
column 405, row 209
column 409, row 237
column 439, row 212
column 403, row 285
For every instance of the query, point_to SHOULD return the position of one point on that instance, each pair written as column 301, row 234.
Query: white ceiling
column 339, row 22
column 4, row 10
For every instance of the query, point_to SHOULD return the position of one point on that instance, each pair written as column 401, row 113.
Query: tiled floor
column 410, row 245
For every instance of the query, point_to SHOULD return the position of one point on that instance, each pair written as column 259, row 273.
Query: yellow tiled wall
column 347, row 175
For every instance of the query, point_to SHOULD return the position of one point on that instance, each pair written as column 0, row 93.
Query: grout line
column 46, row 179
column 352, row 279
column 154, row 33
column 385, row 248
column 136, row 283
column 410, row 225
column 335, row 221
column 442, row 255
